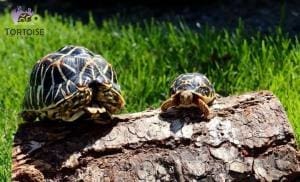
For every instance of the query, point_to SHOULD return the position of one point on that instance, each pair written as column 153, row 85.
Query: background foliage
column 147, row 57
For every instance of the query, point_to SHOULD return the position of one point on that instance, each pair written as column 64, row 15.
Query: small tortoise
column 191, row 90
column 70, row 83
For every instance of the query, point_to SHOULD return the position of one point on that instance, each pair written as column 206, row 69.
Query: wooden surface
column 248, row 138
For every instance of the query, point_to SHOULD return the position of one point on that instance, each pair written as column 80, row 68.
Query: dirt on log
column 248, row 138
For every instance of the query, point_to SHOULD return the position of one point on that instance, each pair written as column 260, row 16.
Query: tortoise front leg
column 202, row 106
column 167, row 104
column 98, row 115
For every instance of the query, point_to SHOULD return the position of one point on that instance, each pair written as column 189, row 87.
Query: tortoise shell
column 63, row 84
column 196, row 83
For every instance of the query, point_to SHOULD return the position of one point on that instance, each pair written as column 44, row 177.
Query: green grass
column 147, row 57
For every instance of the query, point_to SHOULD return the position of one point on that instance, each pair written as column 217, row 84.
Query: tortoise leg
column 98, row 115
column 70, row 117
column 72, row 108
column 203, row 107
column 167, row 104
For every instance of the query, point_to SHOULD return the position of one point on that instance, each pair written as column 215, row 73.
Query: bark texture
column 247, row 138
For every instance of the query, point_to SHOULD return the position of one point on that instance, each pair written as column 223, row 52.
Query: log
column 247, row 138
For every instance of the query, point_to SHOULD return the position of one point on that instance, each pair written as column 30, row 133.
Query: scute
column 67, row 71
column 53, row 56
column 76, row 52
column 88, row 73
column 46, row 79
column 58, row 76
column 75, row 64
column 66, row 49
column 70, row 87
column 48, row 99
column 33, row 74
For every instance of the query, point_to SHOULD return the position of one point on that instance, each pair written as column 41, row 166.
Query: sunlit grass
column 147, row 57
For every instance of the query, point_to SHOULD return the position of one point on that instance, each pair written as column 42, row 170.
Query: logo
column 22, row 15
column 27, row 23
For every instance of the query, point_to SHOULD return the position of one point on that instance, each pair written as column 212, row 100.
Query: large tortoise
column 71, row 83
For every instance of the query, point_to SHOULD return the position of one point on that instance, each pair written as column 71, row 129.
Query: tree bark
column 247, row 138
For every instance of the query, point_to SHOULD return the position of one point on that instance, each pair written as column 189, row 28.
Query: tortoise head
column 197, row 84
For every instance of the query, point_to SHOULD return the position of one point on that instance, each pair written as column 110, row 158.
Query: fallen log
column 248, row 138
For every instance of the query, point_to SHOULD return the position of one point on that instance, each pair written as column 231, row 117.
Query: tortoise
column 24, row 17
column 191, row 90
column 71, row 83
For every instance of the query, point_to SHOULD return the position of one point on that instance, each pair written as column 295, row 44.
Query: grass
column 147, row 57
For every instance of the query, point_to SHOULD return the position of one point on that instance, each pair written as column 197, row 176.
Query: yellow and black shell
column 196, row 83
column 64, row 82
